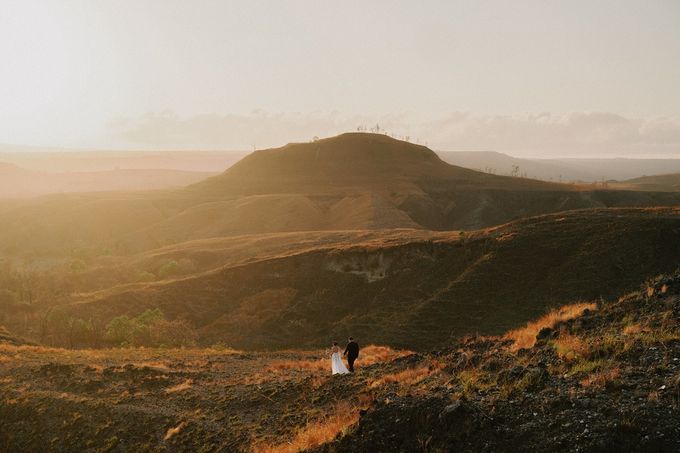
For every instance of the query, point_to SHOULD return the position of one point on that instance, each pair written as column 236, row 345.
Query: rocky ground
column 171, row 399
column 606, row 380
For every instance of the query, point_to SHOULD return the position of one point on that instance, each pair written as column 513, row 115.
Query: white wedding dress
column 337, row 365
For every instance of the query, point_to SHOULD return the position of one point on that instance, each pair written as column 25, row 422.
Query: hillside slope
column 602, row 379
column 608, row 380
column 352, row 160
column 587, row 170
column 432, row 288
column 658, row 183
column 20, row 182
column 353, row 181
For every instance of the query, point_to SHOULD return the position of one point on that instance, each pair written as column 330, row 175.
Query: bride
column 337, row 365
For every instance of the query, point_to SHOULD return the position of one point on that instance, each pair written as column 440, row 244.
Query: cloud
column 575, row 133
column 540, row 134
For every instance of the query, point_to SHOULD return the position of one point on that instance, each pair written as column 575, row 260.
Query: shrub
column 175, row 333
column 119, row 330
column 123, row 330
column 169, row 268
column 146, row 277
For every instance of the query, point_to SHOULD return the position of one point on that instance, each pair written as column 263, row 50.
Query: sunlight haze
column 530, row 77
column 305, row 226
column 232, row 74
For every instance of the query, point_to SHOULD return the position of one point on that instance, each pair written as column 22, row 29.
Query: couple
column 352, row 353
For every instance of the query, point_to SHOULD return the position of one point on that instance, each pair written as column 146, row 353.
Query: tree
column 125, row 331
column 119, row 330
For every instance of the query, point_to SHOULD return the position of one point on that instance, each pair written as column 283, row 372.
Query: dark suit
column 352, row 353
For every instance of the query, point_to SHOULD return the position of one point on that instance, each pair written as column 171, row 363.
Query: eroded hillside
column 447, row 284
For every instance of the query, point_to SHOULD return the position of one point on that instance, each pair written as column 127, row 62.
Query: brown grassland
column 218, row 399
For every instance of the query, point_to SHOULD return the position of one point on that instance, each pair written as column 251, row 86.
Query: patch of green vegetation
column 149, row 329
column 660, row 336
column 167, row 269
column 607, row 346
column 588, row 366
column 145, row 276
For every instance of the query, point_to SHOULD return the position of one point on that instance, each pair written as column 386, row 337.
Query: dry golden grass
column 172, row 431
column 180, row 387
column 409, row 376
column 600, row 378
column 525, row 337
column 368, row 356
column 569, row 347
column 632, row 329
column 317, row 433
column 376, row 354
column 156, row 365
column 139, row 356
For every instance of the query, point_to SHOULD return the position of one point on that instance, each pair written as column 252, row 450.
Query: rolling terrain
column 56, row 160
column 602, row 376
column 593, row 170
column 433, row 286
column 349, row 182
column 19, row 182
column 235, row 283
column 659, row 183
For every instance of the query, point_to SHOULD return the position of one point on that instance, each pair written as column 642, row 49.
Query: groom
column 352, row 353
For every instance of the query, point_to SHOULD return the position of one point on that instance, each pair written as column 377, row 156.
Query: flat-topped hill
column 349, row 182
column 350, row 160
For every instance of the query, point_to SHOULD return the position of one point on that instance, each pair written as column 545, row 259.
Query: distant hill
column 561, row 169
column 431, row 287
column 67, row 161
column 352, row 161
column 19, row 182
column 503, row 164
column 349, row 182
column 658, row 183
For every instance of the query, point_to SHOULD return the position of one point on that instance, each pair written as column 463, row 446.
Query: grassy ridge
column 430, row 287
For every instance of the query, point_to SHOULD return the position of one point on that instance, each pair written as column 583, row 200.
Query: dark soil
column 608, row 380
column 535, row 400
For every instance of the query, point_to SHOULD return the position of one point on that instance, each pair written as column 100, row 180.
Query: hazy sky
column 531, row 77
